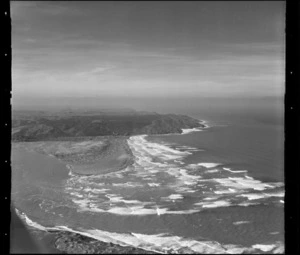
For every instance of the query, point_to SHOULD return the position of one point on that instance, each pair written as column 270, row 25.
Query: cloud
column 55, row 49
column 20, row 9
column 97, row 70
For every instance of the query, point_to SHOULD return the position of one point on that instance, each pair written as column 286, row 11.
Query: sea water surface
column 218, row 189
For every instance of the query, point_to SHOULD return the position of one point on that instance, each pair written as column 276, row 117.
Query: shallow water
column 215, row 190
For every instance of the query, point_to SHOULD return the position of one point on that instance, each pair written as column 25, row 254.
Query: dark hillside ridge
column 46, row 127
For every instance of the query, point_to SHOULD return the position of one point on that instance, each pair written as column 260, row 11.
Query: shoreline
column 28, row 238
column 62, row 240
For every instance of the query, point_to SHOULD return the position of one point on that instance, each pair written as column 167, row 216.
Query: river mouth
column 159, row 202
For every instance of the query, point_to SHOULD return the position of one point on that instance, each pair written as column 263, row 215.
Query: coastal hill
column 37, row 126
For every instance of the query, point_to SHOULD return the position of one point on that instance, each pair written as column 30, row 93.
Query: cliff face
column 33, row 128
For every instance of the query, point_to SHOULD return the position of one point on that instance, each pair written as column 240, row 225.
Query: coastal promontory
column 38, row 126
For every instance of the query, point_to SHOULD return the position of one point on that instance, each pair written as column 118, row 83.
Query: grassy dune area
column 86, row 155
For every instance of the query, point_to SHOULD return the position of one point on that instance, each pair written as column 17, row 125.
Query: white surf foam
column 128, row 184
column 279, row 249
column 70, row 169
column 247, row 204
column 227, row 191
column 76, row 194
column 133, row 207
column 167, row 244
column 190, row 130
column 205, row 123
column 140, row 210
column 248, row 177
column 82, row 203
column 188, row 148
column 120, row 199
column 244, row 183
column 208, row 165
column 264, row 247
column 96, row 191
column 175, row 196
column 163, row 243
column 144, row 151
column 28, row 221
column 211, row 198
column 217, row 204
column 240, row 222
column 235, row 171
column 276, row 248
column 152, row 184
column 152, row 148
column 192, row 166
column 214, row 204
column 212, row 171
column 253, row 196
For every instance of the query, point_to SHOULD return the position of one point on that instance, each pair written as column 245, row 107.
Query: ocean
column 218, row 189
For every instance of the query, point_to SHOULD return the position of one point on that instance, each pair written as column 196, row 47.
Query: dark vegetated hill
column 31, row 128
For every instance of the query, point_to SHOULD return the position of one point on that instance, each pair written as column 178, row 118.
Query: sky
column 148, row 50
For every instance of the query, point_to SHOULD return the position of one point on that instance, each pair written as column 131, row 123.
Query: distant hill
column 34, row 126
